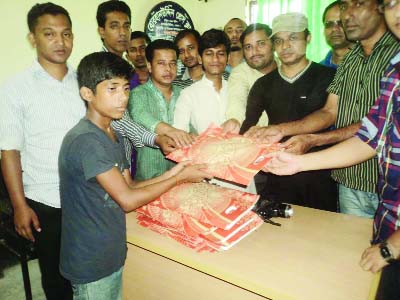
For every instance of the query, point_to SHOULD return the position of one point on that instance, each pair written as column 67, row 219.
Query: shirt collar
column 208, row 82
column 297, row 76
column 150, row 84
column 386, row 39
column 186, row 75
column 395, row 61
column 41, row 72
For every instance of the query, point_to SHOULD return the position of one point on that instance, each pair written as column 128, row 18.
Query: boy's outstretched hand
column 193, row 173
column 185, row 172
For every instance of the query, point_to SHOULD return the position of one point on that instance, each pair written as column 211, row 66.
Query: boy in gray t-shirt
column 95, row 184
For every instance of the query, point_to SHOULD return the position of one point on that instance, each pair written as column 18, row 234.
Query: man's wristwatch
column 386, row 252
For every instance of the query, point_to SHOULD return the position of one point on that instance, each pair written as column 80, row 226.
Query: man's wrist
column 395, row 251
column 312, row 140
column 386, row 250
column 156, row 141
column 281, row 128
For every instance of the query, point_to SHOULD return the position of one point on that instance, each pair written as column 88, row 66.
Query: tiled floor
column 11, row 283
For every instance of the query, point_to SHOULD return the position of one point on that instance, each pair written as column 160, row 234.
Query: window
column 263, row 11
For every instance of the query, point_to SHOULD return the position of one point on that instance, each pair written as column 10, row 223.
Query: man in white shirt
column 204, row 102
column 38, row 107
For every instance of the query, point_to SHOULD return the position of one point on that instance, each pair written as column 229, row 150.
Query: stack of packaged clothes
column 203, row 216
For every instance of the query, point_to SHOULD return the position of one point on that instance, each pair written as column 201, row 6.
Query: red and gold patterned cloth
column 231, row 157
column 202, row 216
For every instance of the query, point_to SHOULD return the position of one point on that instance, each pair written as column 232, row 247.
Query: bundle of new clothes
column 203, row 216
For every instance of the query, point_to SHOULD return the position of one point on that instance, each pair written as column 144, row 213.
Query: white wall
column 16, row 53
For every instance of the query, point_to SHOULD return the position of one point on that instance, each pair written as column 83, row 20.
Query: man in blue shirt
column 334, row 35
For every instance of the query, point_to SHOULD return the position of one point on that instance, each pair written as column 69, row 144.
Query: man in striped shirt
column 187, row 41
column 378, row 136
column 114, row 27
column 38, row 107
column 351, row 95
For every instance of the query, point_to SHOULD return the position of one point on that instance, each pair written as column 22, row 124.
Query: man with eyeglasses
column 378, row 136
column 334, row 36
column 351, row 95
column 292, row 91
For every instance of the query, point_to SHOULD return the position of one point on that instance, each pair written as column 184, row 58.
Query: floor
column 11, row 283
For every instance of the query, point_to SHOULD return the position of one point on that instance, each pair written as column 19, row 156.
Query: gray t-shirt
column 93, row 236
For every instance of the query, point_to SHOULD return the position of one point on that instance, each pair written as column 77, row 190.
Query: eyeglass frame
column 333, row 23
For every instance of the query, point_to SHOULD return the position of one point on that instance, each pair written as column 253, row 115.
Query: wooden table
column 313, row 255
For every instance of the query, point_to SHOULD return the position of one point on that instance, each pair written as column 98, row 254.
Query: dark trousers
column 315, row 189
column 389, row 286
column 47, row 244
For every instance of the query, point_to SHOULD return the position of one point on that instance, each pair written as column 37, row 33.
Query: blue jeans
column 106, row 288
column 358, row 203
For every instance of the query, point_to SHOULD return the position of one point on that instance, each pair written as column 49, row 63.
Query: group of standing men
column 304, row 105
column 362, row 103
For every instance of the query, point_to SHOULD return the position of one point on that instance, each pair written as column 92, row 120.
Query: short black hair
column 48, row 8
column 140, row 35
column 212, row 38
column 333, row 4
column 99, row 66
column 255, row 27
column 184, row 33
column 159, row 45
column 110, row 6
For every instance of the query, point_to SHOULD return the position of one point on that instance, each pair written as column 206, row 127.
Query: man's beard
column 235, row 48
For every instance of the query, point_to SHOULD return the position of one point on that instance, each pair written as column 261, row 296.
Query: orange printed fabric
column 200, row 243
column 193, row 242
column 206, row 203
column 202, row 216
column 231, row 157
column 193, row 228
